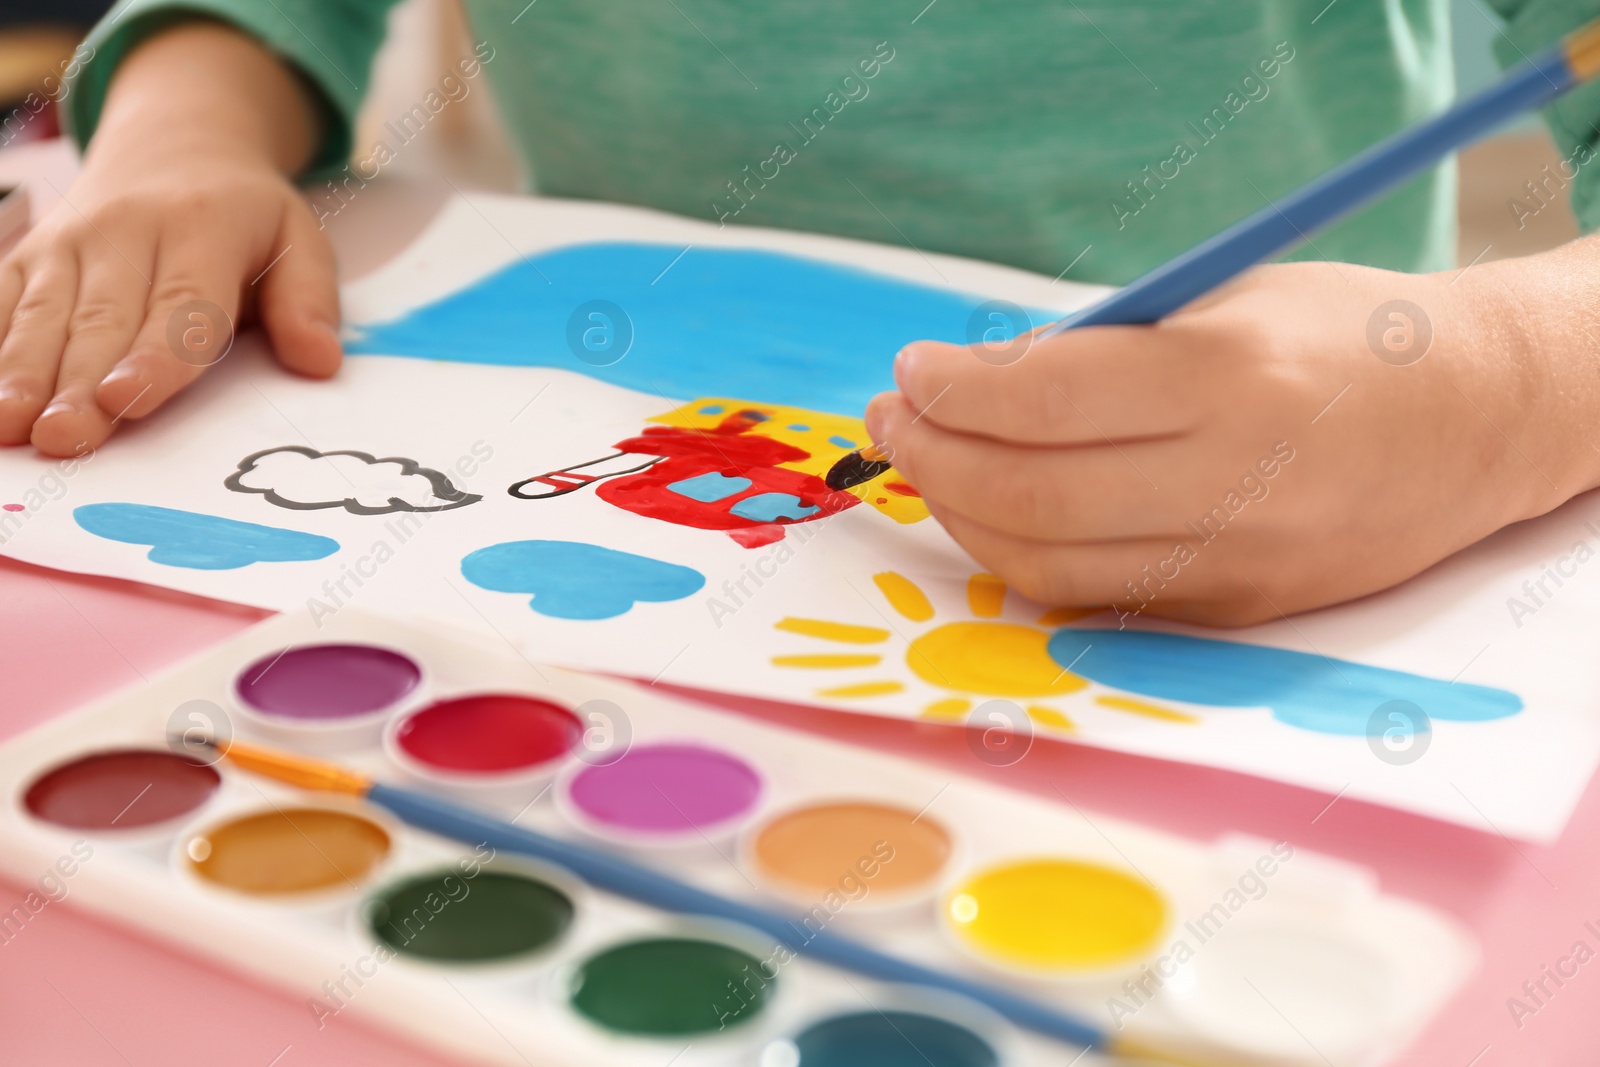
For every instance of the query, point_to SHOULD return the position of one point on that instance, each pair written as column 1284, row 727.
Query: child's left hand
column 1254, row 455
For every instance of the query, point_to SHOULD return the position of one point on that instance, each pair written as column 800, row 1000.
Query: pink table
column 76, row 990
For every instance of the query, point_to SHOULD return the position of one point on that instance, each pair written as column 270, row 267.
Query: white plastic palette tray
column 1271, row 955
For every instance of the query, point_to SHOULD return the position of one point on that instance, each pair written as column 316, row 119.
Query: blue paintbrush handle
column 1276, row 227
column 635, row 881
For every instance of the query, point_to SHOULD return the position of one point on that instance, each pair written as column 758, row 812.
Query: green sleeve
column 1531, row 27
column 329, row 42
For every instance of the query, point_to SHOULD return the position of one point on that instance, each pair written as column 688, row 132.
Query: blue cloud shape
column 202, row 542
column 570, row 580
column 1310, row 691
column 722, row 322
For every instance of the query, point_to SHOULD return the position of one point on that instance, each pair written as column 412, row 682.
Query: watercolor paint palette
column 1238, row 951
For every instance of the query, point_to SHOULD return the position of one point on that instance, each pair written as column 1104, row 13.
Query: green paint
column 671, row 985
column 445, row 915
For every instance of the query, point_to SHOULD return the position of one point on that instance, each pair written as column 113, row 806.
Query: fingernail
column 904, row 363
column 120, row 373
column 60, row 407
column 875, row 422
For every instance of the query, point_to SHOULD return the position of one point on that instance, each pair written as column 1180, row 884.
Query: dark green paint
column 445, row 915
column 671, row 986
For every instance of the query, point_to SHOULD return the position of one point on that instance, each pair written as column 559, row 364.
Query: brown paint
column 289, row 850
column 813, row 848
column 121, row 789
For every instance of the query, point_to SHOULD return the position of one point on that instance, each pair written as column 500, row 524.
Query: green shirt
column 1104, row 135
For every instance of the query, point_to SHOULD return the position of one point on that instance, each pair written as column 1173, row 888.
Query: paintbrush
column 1575, row 60
column 635, row 881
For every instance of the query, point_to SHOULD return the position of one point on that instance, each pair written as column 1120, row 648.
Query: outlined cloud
column 303, row 479
column 198, row 541
column 571, row 580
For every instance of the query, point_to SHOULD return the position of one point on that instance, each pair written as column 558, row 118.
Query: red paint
column 121, row 789
column 14, row 507
column 729, row 449
column 489, row 733
column 902, row 488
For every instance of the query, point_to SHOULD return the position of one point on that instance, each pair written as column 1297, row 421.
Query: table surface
column 76, row 989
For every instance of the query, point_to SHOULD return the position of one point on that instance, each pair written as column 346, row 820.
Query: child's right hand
column 182, row 200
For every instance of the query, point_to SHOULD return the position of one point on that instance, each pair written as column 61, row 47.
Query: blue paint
column 710, row 487
column 723, row 322
column 202, row 542
column 1302, row 689
column 770, row 507
column 891, row 1039
column 842, row 442
column 712, row 409
column 569, row 580
column 799, row 427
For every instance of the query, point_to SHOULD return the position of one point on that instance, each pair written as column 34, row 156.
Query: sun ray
column 1048, row 716
column 827, row 660
column 862, row 689
column 949, row 708
column 1140, row 707
column 985, row 595
column 1062, row 616
column 904, row 596
column 834, row 631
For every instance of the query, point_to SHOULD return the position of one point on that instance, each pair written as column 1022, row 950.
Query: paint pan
column 676, row 985
column 876, row 854
column 309, row 853
column 138, row 794
column 327, row 697
column 1056, row 917
column 488, row 745
column 470, row 914
column 892, row 1037
column 1245, row 982
column 666, row 794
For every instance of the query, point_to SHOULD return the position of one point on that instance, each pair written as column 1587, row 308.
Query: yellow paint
column 1140, row 707
column 833, row 631
column 949, row 708
column 1057, row 915
column 985, row 595
column 862, row 689
column 1047, row 716
column 1062, row 616
column 999, row 659
column 904, row 596
column 814, row 439
column 827, row 660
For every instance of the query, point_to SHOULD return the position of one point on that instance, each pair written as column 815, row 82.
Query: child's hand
column 108, row 307
column 1253, row 455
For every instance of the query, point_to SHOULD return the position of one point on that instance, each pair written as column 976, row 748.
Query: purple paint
column 327, row 682
column 667, row 789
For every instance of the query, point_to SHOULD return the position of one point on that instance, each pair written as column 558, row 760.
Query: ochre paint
column 812, row 848
column 1057, row 915
column 121, row 789
column 488, row 733
column 289, row 850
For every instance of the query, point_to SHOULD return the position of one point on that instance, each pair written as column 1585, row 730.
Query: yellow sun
column 982, row 656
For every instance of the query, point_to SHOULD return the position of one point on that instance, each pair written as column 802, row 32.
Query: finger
column 1106, row 382
column 18, row 405
column 1078, row 493
column 109, row 307
column 1067, row 575
column 187, row 324
column 31, row 351
column 299, row 298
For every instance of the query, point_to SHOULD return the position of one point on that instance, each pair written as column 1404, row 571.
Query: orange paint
column 289, row 850
column 902, row 488
column 811, row 849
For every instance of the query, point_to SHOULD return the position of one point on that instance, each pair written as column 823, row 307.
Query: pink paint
column 14, row 507
column 667, row 789
column 327, row 682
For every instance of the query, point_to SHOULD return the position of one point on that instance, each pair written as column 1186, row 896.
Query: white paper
column 456, row 431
